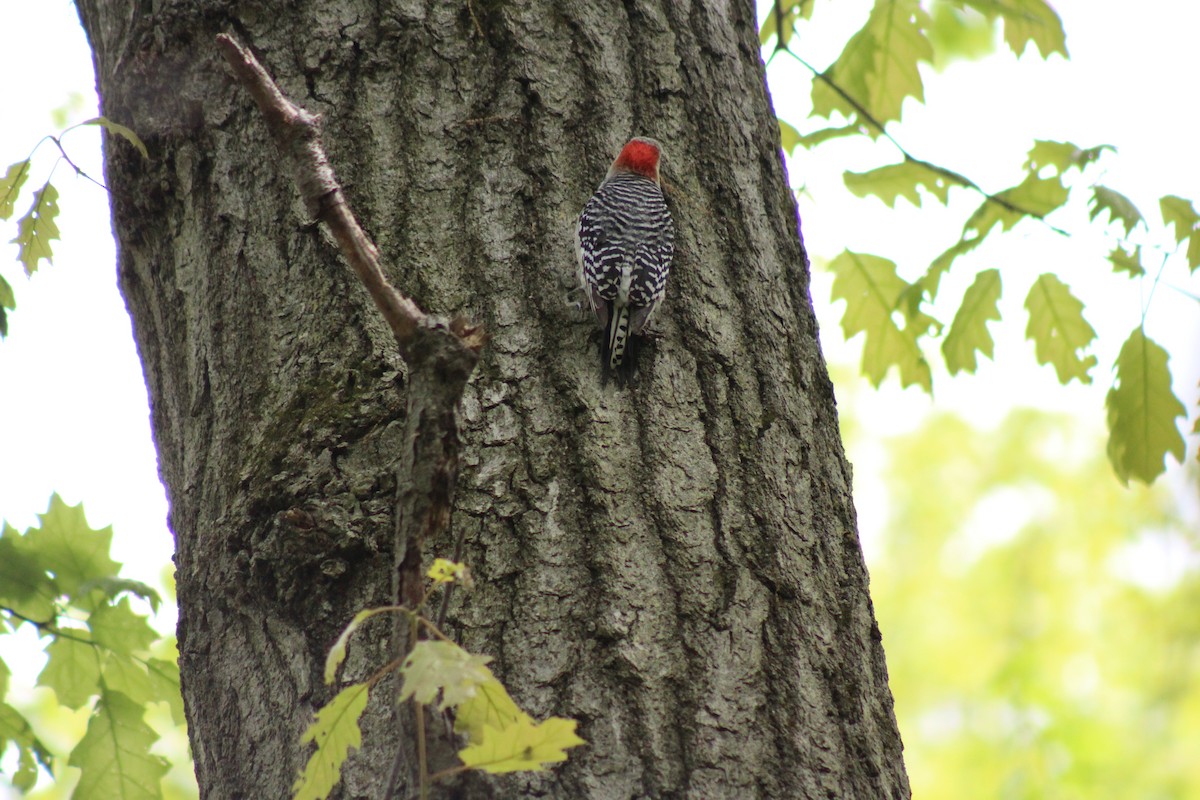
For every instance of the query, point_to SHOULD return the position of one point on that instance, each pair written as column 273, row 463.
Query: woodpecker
column 624, row 241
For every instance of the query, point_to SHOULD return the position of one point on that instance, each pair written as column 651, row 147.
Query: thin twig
column 956, row 177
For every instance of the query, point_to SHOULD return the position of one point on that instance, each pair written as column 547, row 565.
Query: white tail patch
column 618, row 334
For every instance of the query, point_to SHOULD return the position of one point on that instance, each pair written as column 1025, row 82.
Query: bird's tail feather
column 617, row 336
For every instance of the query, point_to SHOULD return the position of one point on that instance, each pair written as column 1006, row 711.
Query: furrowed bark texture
column 672, row 560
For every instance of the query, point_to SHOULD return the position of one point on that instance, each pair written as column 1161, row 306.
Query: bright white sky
column 71, row 392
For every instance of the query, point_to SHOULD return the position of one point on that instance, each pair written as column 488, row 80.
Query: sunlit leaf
column 437, row 666
column 1119, row 207
column 164, row 683
column 1026, row 21
column 1033, row 197
column 1179, row 212
column 491, row 706
column 10, row 187
column 444, row 570
column 1125, row 261
column 15, row 728
column 25, row 585
column 114, row 755
column 872, row 291
column 898, row 180
column 335, row 731
column 931, row 280
column 969, row 333
column 72, row 669
column 120, row 130
column 37, row 229
column 1058, row 330
column 75, row 553
column 811, row 140
column 1142, row 411
column 119, row 628
column 879, row 65
column 522, row 745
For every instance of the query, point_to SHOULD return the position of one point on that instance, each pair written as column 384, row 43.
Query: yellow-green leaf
column 1034, row 197
column 1062, row 155
column 435, row 666
column 931, row 280
column 444, row 570
column 37, row 229
column 522, row 745
column 491, row 706
column 1127, row 261
column 72, row 669
column 114, row 756
column 898, row 180
column 10, row 187
column 1058, row 330
column 968, row 333
column 1179, row 212
column 1026, row 21
column 74, row 552
column 335, row 730
column 872, row 291
column 1119, row 207
column 1142, row 411
column 879, row 65
column 120, row 130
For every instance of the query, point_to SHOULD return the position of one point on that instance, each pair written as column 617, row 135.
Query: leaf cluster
column 59, row 579
column 866, row 87
column 37, row 228
column 499, row 736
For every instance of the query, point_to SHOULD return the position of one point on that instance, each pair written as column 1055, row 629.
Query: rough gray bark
column 672, row 561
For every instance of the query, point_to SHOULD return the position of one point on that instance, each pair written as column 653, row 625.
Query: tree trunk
column 671, row 559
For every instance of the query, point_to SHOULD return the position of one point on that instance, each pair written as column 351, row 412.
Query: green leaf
column 811, row 140
column 898, row 180
column 1026, row 21
column 120, row 130
column 1193, row 251
column 789, row 137
column 15, row 728
column 24, row 585
column 931, row 280
column 1058, row 329
column 70, row 549
column 121, row 673
column 1062, row 156
column 120, row 629
column 37, row 229
column 1119, row 207
column 111, row 588
column 10, row 187
column 1142, row 411
column 969, row 333
column 878, row 66
column 114, row 755
column 1130, row 262
column 1033, row 197
column 872, row 291
column 1178, row 212
column 780, row 21
column 335, row 730
column 435, row 666
column 72, row 669
column 522, row 745
column 491, row 706
column 164, row 684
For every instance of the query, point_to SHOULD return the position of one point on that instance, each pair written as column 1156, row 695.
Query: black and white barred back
column 626, row 239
